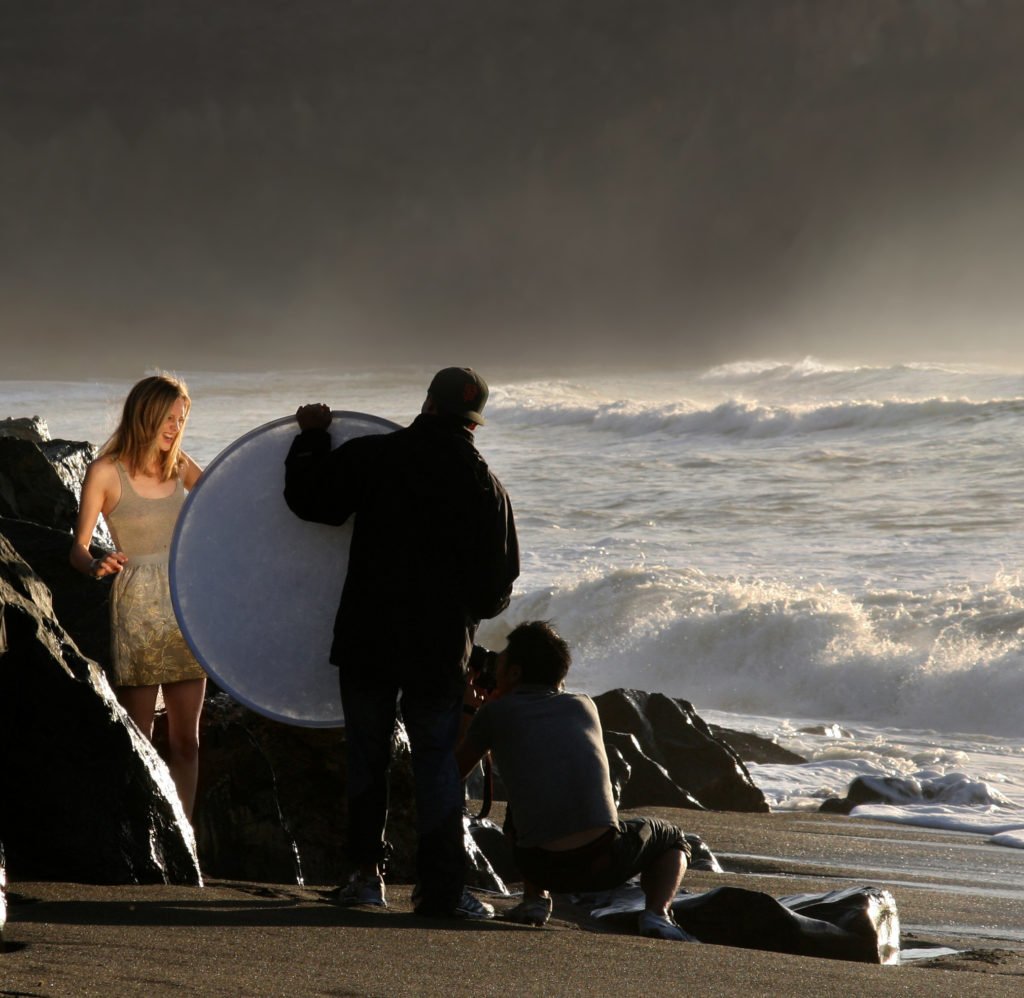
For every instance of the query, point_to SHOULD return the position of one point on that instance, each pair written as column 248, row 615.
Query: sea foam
column 948, row 660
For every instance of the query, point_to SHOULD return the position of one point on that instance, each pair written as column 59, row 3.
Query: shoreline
column 240, row 938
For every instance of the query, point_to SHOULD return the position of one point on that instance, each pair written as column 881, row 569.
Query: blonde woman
column 138, row 483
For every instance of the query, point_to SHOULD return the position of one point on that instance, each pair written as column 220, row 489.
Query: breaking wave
column 950, row 659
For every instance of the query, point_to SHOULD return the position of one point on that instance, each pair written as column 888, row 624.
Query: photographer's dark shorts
column 607, row 862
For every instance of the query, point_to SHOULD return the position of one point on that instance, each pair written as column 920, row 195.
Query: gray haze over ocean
column 246, row 183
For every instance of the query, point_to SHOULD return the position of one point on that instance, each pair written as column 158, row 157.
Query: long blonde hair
column 134, row 442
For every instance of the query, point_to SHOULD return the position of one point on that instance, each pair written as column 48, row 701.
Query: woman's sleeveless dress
column 147, row 645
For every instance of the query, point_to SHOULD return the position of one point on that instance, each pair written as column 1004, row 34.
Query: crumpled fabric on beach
column 858, row 923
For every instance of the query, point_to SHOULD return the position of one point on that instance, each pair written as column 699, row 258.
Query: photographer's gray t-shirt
column 547, row 745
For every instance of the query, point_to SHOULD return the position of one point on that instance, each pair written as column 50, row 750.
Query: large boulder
column 753, row 748
column 672, row 734
column 25, row 428
column 637, row 780
column 85, row 796
column 41, row 479
column 82, row 605
column 271, row 802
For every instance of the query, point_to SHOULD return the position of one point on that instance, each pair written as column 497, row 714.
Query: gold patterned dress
column 147, row 645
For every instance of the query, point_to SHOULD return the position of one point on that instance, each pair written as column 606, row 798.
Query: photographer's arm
column 472, row 700
column 472, row 742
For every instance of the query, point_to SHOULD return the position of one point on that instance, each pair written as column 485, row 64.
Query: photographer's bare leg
column 660, row 881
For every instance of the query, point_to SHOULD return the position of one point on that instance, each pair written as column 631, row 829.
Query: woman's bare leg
column 140, row 703
column 184, row 702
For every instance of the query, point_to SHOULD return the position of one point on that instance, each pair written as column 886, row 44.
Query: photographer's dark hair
column 540, row 653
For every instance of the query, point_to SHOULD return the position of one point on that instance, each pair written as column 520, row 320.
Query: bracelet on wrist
column 94, row 567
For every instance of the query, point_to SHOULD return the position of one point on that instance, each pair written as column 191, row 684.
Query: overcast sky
column 249, row 183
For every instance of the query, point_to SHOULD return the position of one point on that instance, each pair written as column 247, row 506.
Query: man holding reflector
column 433, row 552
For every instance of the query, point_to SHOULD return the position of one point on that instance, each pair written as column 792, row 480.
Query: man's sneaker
column 472, row 907
column 468, row 907
column 534, row 911
column 359, row 890
column 654, row 925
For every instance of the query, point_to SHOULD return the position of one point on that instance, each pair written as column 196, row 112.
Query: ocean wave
column 811, row 368
column 775, row 370
column 950, row 660
column 744, row 419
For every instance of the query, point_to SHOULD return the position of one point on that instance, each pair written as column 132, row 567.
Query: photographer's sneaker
column 654, row 925
column 532, row 911
column 360, row 889
column 468, row 907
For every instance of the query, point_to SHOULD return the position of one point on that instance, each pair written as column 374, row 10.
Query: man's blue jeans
column 432, row 723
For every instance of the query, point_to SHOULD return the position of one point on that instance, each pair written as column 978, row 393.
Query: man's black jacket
column 434, row 548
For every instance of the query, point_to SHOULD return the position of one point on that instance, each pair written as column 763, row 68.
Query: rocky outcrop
column 754, row 748
column 639, row 781
column 673, row 735
column 41, row 479
column 80, row 604
column 271, row 802
column 928, row 787
column 85, row 796
column 30, row 428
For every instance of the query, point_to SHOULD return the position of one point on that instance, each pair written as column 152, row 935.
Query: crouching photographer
column 549, row 748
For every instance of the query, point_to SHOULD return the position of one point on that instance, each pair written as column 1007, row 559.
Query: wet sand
column 242, row 939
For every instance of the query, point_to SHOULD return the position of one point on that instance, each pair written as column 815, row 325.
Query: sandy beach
column 243, row 939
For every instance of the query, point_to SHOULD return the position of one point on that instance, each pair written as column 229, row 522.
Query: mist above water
column 247, row 184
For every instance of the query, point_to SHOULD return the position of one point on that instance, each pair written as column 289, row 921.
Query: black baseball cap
column 459, row 391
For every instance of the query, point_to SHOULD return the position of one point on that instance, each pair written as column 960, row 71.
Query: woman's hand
column 109, row 564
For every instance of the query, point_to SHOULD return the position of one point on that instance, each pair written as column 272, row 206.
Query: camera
column 483, row 666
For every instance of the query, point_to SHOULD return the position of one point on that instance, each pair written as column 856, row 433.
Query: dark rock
column 497, row 848
column 754, row 748
column 836, row 805
column 33, row 429
column 3, row 890
column 672, row 734
column 271, row 802
column 42, row 483
column 477, row 781
column 85, row 796
column 619, row 771
column 923, row 788
column 31, row 488
column 480, row 870
column 875, row 790
column 638, row 781
column 826, row 730
column 82, row 605
column 701, row 856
